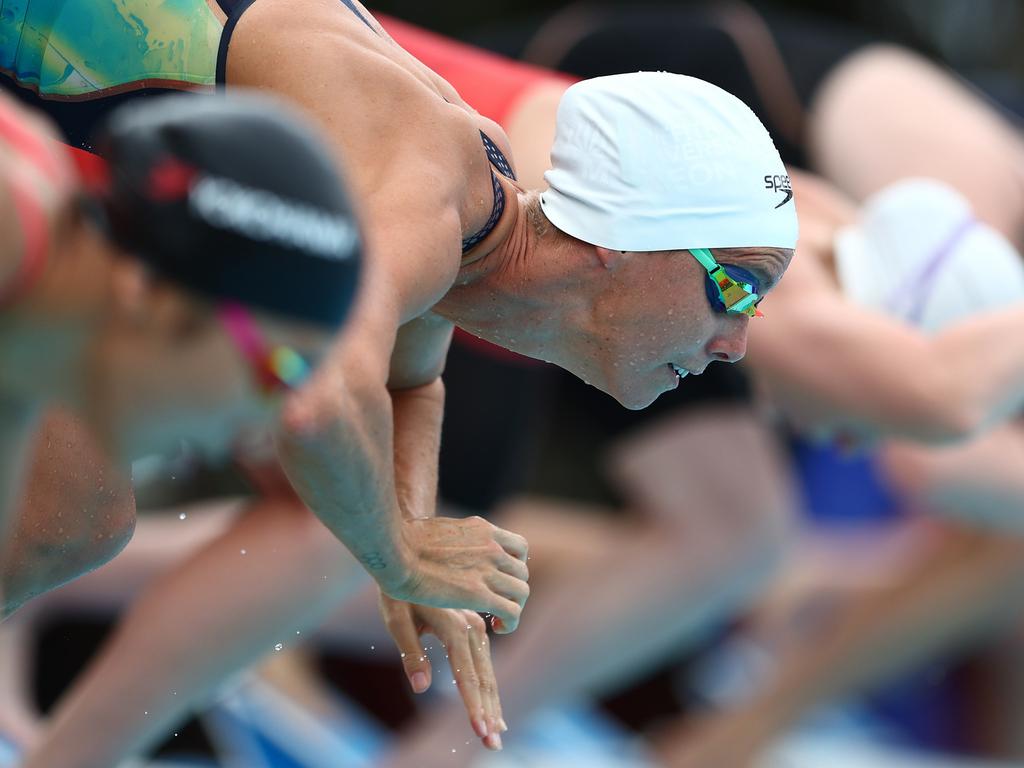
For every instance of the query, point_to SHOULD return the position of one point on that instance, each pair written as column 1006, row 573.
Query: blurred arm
column 842, row 366
column 981, row 481
column 955, row 588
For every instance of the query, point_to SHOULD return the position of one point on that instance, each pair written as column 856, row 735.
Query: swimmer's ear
column 611, row 259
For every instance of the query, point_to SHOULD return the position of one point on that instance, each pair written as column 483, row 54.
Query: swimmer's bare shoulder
column 405, row 152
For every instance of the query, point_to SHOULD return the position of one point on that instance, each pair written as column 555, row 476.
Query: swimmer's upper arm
column 420, row 350
column 853, row 366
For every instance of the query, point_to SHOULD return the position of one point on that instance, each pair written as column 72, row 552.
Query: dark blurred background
column 976, row 35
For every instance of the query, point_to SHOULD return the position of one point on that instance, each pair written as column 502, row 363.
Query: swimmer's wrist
column 392, row 570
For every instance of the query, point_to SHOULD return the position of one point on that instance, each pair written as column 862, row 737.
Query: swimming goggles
column 729, row 289
column 275, row 368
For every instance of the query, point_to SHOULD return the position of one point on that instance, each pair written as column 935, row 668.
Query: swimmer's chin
column 639, row 400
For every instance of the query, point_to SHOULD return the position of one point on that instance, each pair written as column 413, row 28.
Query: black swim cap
column 232, row 196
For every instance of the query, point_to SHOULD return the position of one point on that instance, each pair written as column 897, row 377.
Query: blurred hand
column 463, row 637
column 467, row 564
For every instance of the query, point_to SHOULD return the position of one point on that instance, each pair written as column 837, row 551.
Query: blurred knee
column 46, row 551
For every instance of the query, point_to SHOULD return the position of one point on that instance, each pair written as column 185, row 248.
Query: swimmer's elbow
column 332, row 403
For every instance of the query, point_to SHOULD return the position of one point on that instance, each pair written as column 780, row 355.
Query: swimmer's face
column 656, row 324
column 169, row 371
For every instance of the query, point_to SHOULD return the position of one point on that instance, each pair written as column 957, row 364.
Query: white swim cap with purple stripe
column 919, row 253
column 654, row 161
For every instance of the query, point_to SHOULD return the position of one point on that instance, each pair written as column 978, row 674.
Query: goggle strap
column 274, row 368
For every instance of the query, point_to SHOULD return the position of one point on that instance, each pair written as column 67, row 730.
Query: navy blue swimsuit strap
column 352, row 7
column 498, row 160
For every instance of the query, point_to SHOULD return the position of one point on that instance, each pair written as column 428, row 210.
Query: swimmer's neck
column 524, row 293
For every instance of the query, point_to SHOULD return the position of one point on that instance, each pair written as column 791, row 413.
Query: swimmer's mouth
column 682, row 373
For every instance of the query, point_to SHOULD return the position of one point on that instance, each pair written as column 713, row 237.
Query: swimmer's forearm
column 979, row 481
column 418, row 413
column 340, row 463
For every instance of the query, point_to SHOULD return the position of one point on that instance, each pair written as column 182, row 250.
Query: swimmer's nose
column 730, row 345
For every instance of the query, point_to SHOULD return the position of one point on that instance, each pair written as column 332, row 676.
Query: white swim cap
column 919, row 254
column 653, row 161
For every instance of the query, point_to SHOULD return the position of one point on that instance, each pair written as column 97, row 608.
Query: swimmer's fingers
column 462, row 630
column 402, row 625
column 510, row 588
column 512, row 543
column 514, row 567
column 480, row 648
column 506, row 612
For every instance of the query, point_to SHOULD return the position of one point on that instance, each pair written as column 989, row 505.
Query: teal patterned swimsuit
column 70, row 49
column 77, row 59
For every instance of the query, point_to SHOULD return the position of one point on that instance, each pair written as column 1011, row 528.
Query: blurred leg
column 159, row 543
column 887, row 114
column 275, row 572
column 959, row 586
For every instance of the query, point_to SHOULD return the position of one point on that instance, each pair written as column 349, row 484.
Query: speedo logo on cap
column 257, row 214
column 779, row 182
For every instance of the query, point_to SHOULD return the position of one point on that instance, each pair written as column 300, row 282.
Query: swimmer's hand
column 464, row 641
column 467, row 564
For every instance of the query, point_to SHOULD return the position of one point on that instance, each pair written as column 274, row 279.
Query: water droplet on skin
column 182, row 516
column 242, row 551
